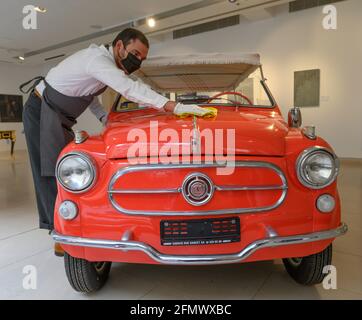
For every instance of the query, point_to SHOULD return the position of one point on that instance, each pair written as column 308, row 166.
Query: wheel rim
column 99, row 266
column 295, row 261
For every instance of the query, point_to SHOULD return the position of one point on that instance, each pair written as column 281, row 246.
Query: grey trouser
column 45, row 187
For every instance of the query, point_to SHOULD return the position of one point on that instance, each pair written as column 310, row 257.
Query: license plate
column 200, row 232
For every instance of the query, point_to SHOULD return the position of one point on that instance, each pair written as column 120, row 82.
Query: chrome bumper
column 200, row 259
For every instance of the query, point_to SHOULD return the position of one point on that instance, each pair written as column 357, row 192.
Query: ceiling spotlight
column 151, row 22
column 233, row 1
column 40, row 9
column 21, row 58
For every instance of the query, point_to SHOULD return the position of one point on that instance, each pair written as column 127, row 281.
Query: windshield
column 251, row 92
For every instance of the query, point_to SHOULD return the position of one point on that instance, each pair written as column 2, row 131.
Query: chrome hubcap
column 99, row 266
column 295, row 261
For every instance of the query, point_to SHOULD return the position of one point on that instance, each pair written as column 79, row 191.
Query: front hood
column 257, row 132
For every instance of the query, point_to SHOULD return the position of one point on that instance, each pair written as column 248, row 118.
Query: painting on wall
column 307, row 88
column 11, row 108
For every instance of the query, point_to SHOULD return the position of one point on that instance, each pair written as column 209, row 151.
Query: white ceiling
column 69, row 19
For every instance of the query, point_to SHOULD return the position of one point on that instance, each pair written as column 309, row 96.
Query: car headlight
column 317, row 167
column 76, row 172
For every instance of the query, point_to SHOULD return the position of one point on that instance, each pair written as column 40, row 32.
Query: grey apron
column 47, row 126
column 58, row 115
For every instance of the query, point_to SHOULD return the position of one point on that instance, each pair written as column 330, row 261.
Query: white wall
column 11, row 76
column 297, row 41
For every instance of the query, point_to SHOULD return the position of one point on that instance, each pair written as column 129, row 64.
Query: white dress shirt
column 88, row 70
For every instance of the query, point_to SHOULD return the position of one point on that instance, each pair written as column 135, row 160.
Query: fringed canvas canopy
column 198, row 72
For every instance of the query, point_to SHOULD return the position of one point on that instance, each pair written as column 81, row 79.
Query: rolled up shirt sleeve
column 97, row 109
column 104, row 70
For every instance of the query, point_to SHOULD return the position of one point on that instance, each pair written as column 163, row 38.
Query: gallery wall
column 297, row 41
column 11, row 76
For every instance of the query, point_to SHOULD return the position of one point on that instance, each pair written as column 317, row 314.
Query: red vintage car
column 240, row 185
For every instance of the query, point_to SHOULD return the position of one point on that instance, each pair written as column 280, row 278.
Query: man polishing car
column 71, row 87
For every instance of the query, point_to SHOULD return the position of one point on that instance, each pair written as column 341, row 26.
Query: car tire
column 309, row 270
column 85, row 276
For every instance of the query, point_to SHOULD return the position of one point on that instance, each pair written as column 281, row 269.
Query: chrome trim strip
column 250, row 188
column 200, row 259
column 195, row 140
column 238, row 164
column 144, row 191
column 178, row 190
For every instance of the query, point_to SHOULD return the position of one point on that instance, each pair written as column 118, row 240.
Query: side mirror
column 294, row 118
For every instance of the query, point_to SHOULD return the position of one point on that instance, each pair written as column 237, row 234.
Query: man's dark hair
column 129, row 34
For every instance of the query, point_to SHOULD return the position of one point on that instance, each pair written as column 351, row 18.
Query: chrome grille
column 216, row 188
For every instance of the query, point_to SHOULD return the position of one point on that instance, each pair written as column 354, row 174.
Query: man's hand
column 179, row 109
column 189, row 109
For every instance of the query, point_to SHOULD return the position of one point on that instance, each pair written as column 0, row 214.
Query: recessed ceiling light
column 40, row 9
column 21, row 58
column 151, row 22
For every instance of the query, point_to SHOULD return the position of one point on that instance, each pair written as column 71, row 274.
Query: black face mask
column 131, row 63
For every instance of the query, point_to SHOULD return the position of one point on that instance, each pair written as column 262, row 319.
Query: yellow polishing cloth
column 212, row 113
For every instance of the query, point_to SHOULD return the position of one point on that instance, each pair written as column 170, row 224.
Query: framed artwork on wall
column 11, row 108
column 307, row 88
